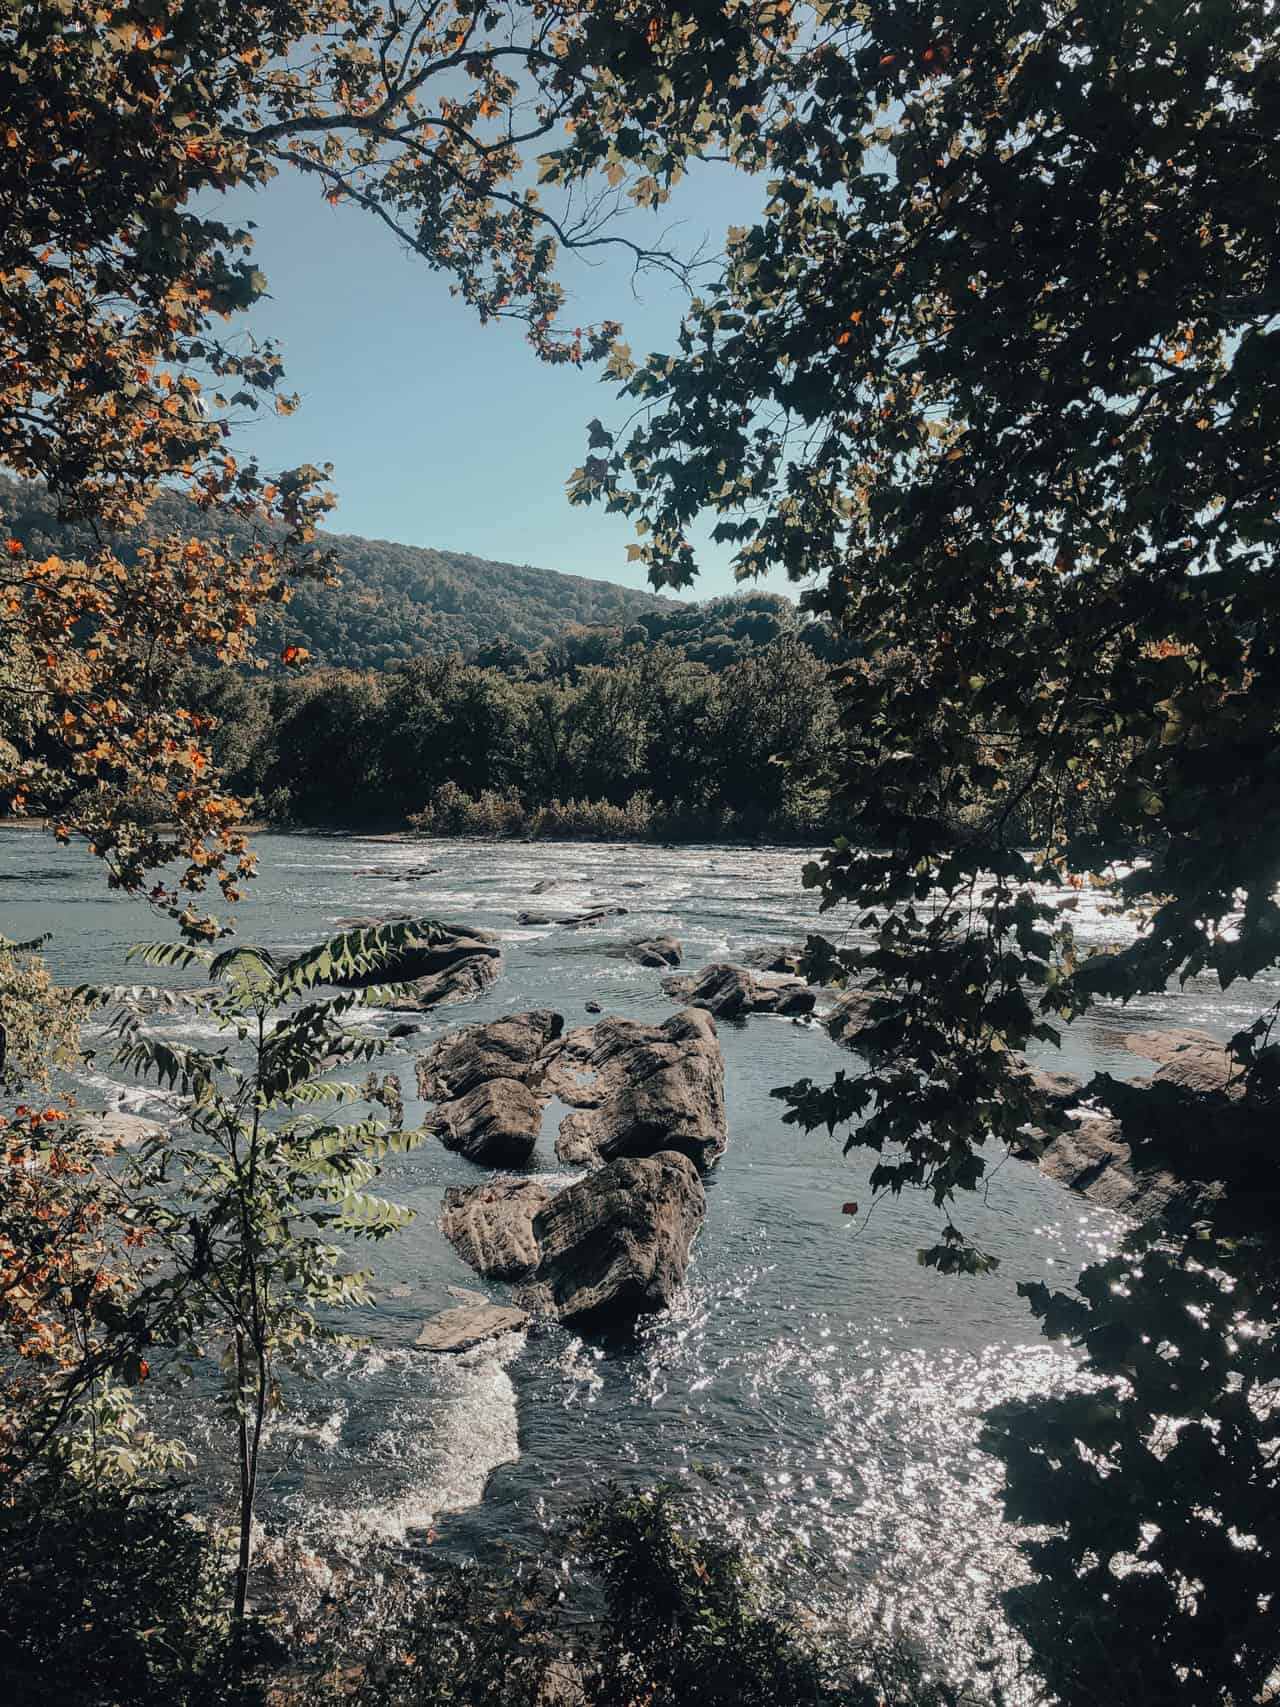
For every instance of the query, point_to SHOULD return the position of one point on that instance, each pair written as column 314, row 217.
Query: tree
column 116, row 376
column 997, row 365
column 244, row 1205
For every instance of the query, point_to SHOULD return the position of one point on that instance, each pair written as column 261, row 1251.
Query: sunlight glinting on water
column 818, row 1391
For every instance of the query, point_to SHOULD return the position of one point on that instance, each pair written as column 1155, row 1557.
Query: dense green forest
column 604, row 732
column 390, row 602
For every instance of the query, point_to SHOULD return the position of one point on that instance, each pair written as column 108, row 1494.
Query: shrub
column 111, row 1601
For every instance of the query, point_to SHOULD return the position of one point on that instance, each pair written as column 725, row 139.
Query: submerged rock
column 616, row 1244
column 731, row 992
column 491, row 1225
column 470, row 1325
column 400, row 873
column 647, row 1088
column 572, row 921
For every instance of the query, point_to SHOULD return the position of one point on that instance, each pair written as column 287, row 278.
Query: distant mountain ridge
column 394, row 601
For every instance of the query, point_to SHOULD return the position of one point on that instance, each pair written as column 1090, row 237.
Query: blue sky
column 443, row 432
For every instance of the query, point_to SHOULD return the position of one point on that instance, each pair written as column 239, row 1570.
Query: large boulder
column 1094, row 1159
column 507, row 1048
column 470, row 1325
column 641, row 1089
column 486, row 1080
column 616, row 1244
column 731, row 992
column 491, row 1225
column 497, row 1123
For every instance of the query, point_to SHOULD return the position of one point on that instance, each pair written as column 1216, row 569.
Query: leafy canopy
column 997, row 371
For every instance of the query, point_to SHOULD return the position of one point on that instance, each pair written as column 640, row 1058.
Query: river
column 818, row 1389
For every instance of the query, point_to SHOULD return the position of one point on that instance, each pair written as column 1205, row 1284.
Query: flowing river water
column 818, row 1390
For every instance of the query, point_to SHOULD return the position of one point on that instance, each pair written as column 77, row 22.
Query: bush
column 679, row 1623
column 453, row 812
column 111, row 1601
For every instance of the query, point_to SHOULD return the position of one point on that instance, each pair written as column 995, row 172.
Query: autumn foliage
column 121, row 372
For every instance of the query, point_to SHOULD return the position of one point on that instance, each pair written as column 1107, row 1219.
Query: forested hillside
column 393, row 601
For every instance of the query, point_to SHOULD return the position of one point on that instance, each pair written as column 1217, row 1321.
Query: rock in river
column 469, row 1325
column 847, row 1019
column 486, row 1081
column 649, row 951
column 491, row 1225
column 460, row 963
column 649, row 1088
column 115, row 1131
column 616, row 1245
column 1192, row 1059
column 730, row 992
column 775, row 957
column 496, row 1123
column 507, row 1048
column 572, row 921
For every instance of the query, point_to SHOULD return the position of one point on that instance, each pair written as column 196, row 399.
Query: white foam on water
column 131, row 1099
column 455, row 1422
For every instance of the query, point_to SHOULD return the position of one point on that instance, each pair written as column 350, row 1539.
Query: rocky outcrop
column 648, row 1112
column 616, row 1244
column 1191, row 1059
column 496, row 1123
column 638, row 1089
column 507, row 1048
column 731, row 992
column 491, row 1225
column 470, row 1325
column 650, row 951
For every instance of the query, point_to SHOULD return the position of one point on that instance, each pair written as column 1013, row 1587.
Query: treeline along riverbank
column 718, row 722
column 596, row 736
